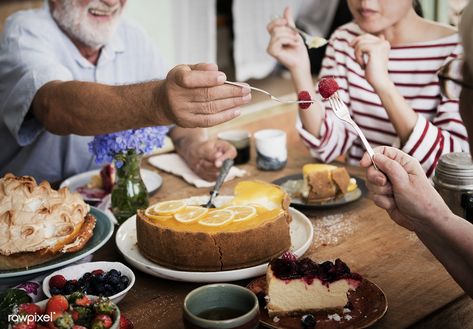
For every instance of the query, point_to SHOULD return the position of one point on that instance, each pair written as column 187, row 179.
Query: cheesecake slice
column 324, row 182
column 296, row 287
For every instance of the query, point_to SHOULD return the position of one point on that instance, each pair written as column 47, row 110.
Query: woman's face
column 374, row 16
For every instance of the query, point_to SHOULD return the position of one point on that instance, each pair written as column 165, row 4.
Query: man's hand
column 286, row 45
column 206, row 157
column 372, row 53
column 402, row 188
column 196, row 96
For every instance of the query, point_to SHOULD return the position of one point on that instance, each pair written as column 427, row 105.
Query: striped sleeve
column 443, row 133
column 336, row 136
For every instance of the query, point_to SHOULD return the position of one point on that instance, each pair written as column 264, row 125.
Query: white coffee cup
column 271, row 149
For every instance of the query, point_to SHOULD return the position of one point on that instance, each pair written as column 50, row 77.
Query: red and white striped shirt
column 439, row 128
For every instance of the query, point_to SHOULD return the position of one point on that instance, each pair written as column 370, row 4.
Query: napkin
column 174, row 164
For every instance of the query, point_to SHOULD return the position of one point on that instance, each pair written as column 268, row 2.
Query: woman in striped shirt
column 385, row 63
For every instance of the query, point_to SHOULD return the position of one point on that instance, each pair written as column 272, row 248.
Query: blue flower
column 106, row 147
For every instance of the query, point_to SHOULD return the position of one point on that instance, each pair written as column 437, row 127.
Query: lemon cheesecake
column 324, row 182
column 250, row 229
column 303, row 286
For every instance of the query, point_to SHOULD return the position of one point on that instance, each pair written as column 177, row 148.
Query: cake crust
column 212, row 251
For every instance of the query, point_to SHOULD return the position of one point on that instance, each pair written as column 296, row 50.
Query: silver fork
column 268, row 93
column 341, row 111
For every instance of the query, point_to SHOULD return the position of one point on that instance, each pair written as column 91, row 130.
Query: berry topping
column 286, row 268
column 308, row 321
column 327, row 87
column 289, row 256
column 57, row 281
column 304, row 96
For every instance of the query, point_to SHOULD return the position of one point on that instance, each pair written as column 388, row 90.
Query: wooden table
column 419, row 291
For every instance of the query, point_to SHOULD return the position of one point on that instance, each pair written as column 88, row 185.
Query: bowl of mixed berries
column 108, row 279
column 77, row 311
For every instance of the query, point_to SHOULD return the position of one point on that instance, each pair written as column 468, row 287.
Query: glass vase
column 129, row 192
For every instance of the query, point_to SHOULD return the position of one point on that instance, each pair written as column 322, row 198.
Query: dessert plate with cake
column 42, row 228
column 322, row 186
column 182, row 240
column 94, row 185
column 300, row 293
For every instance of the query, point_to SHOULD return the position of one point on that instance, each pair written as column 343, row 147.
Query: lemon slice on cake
column 150, row 213
column 168, row 207
column 242, row 213
column 217, row 217
column 190, row 214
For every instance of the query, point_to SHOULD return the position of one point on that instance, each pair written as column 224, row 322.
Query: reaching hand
column 196, row 96
column 286, row 45
column 376, row 61
column 402, row 188
column 206, row 157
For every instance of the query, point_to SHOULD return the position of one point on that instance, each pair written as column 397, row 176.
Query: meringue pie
column 38, row 223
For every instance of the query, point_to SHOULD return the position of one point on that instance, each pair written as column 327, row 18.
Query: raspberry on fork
column 327, row 87
column 304, row 96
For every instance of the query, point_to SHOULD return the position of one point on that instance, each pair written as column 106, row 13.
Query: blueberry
column 125, row 280
column 101, row 278
column 120, row 287
column 87, row 276
column 69, row 288
column 114, row 280
column 114, row 272
column 308, row 321
column 55, row 291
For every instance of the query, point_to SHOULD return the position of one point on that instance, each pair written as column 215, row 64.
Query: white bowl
column 76, row 271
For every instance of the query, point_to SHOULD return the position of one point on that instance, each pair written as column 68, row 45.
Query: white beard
column 76, row 22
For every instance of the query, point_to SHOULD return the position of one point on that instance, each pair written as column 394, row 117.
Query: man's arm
column 190, row 96
column 401, row 187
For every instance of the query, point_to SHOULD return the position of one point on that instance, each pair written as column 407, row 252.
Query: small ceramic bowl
column 221, row 306
column 76, row 271
column 115, row 318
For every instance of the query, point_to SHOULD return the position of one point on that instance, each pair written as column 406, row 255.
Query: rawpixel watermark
column 29, row 318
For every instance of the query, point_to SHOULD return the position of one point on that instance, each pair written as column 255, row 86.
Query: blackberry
column 308, row 321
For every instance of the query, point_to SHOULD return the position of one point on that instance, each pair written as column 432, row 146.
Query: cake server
column 341, row 111
column 227, row 164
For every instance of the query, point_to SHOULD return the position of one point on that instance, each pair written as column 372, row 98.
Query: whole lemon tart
column 250, row 229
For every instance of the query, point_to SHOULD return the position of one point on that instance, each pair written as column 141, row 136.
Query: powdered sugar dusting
column 331, row 230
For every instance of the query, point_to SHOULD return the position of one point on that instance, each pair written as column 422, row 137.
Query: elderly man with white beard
column 76, row 69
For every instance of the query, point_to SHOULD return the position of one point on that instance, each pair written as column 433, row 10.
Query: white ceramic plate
column 301, row 230
column 102, row 232
column 152, row 180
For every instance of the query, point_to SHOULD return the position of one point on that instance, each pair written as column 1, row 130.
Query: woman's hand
column 372, row 53
column 286, row 45
column 402, row 188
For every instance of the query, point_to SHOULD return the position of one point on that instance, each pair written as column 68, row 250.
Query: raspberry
column 97, row 272
column 125, row 323
column 304, row 96
column 57, row 281
column 327, row 87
